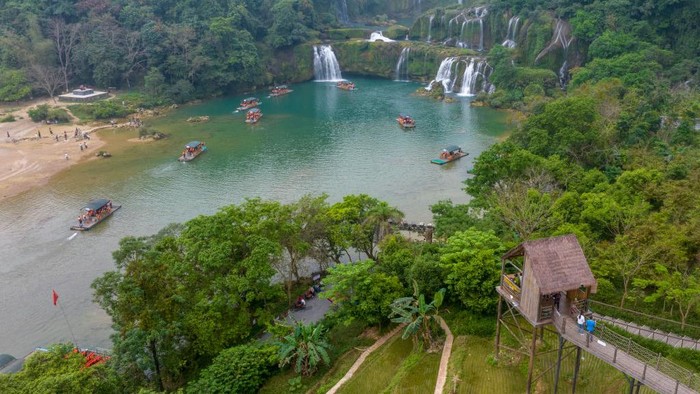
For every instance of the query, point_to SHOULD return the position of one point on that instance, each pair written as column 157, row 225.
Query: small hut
column 541, row 275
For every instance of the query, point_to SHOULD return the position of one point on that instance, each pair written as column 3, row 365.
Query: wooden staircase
column 630, row 358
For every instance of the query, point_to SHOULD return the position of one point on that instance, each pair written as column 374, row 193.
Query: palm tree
column 379, row 220
column 420, row 317
column 306, row 346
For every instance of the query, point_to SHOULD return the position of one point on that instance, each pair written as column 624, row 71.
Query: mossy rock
column 347, row 34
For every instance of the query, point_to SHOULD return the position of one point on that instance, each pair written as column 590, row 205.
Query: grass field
column 395, row 368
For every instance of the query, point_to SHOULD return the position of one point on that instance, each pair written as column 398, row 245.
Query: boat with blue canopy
column 94, row 212
column 192, row 150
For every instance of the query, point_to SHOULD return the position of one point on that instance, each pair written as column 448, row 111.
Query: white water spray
column 326, row 67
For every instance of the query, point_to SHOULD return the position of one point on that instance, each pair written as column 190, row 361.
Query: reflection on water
column 316, row 139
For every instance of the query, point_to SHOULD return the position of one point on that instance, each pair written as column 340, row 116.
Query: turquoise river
column 318, row 139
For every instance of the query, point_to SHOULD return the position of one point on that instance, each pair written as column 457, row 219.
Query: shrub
column 7, row 118
column 466, row 323
column 240, row 369
column 59, row 115
column 39, row 113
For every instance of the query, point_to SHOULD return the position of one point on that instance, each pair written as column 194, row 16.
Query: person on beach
column 65, row 135
column 38, row 133
column 81, row 147
column 66, row 156
column 8, row 134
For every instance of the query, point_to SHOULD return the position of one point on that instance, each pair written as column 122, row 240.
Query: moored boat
column 280, row 90
column 93, row 213
column 253, row 115
column 406, row 121
column 192, row 150
column 248, row 103
column 346, row 85
column 450, row 153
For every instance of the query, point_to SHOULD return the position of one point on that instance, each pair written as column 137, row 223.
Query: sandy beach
column 27, row 161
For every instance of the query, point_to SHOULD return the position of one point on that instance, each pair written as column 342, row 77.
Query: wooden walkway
column 647, row 332
column 652, row 371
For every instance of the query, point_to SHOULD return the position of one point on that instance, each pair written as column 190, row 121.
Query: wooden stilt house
column 538, row 276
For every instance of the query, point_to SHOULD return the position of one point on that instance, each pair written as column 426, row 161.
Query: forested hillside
column 608, row 149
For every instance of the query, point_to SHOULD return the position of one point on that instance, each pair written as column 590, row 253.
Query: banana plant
column 419, row 316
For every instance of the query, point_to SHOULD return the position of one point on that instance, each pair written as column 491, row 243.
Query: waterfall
column 469, row 17
column 444, row 75
column 378, row 36
column 343, row 11
column 476, row 70
column 326, row 66
column 512, row 32
column 402, row 65
column 430, row 26
column 564, row 74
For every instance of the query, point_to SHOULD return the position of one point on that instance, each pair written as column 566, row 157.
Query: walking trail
column 362, row 358
column 445, row 359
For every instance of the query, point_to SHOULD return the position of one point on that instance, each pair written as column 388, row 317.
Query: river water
column 316, row 139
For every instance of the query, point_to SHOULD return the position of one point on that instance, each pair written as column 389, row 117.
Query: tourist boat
column 93, row 213
column 406, row 121
column 253, row 115
column 192, row 150
column 450, row 153
column 280, row 91
column 346, row 85
column 248, row 103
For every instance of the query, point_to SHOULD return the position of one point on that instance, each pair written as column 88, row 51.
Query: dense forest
column 609, row 153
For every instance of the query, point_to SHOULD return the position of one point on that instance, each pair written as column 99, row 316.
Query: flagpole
column 55, row 302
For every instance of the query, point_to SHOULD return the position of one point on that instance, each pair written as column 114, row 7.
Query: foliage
column 7, row 118
column 419, row 316
column 240, row 369
column 13, row 85
column 362, row 291
column 106, row 109
column 59, row 369
column 43, row 112
column 305, row 347
column 466, row 323
column 472, row 261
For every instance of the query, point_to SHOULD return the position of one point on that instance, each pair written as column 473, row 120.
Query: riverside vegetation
column 608, row 151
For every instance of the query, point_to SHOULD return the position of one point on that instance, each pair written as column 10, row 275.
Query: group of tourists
column 585, row 324
column 94, row 215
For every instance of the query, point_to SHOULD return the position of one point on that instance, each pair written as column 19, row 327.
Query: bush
column 240, row 369
column 7, row 118
column 466, row 323
column 101, row 110
column 39, row 113
column 58, row 115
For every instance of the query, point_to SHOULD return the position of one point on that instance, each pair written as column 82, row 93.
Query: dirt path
column 445, row 358
column 362, row 358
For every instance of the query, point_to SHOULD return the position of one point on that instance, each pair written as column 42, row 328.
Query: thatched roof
column 558, row 263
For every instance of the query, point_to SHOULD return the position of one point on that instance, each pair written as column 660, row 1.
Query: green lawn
column 395, row 368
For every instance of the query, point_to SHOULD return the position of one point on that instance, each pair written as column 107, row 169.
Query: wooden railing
column 509, row 286
column 610, row 346
column 655, row 334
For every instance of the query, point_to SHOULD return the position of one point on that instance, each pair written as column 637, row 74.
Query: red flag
column 54, row 296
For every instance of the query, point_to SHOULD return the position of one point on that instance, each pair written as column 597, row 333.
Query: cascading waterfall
column 343, row 11
column 402, row 65
column 430, row 26
column 379, row 36
column 561, row 38
column 326, row 68
column 512, row 32
column 467, row 21
column 444, row 75
column 477, row 70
